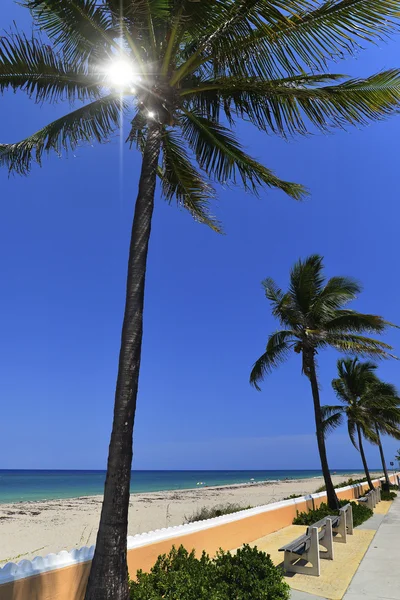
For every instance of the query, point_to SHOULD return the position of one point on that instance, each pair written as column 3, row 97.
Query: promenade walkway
column 378, row 576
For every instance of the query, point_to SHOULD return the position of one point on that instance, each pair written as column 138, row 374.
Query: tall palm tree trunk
column 382, row 457
column 108, row 578
column 364, row 460
column 333, row 501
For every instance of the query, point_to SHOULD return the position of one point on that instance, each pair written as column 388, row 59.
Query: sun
column 120, row 73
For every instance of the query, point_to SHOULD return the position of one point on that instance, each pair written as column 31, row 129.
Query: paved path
column 378, row 576
column 296, row 595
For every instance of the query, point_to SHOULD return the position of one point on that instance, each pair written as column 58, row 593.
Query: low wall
column 63, row 576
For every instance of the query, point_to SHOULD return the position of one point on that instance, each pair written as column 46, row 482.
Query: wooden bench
column 306, row 548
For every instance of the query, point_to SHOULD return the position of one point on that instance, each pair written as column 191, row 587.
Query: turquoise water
column 20, row 486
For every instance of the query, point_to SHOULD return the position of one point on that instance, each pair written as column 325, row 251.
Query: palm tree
column 184, row 72
column 313, row 316
column 370, row 406
column 385, row 401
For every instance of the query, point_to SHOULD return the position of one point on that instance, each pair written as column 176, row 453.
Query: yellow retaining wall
column 226, row 532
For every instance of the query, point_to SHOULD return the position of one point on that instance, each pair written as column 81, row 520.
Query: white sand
column 29, row 529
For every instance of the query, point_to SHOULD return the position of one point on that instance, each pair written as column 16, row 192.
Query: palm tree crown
column 367, row 401
column 196, row 67
column 369, row 405
column 314, row 316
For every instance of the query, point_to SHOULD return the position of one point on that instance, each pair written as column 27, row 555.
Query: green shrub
column 247, row 575
column 361, row 513
column 342, row 484
column 312, row 516
column 292, row 496
column 216, row 511
column 388, row 495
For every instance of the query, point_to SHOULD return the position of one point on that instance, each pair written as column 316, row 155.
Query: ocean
column 22, row 486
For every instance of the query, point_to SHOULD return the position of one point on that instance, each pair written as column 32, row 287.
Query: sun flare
column 120, row 73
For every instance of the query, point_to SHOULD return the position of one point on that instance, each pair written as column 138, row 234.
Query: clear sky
column 64, row 235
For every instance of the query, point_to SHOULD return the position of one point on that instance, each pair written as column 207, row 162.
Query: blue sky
column 64, row 235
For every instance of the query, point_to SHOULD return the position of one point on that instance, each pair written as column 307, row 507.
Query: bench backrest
column 318, row 524
column 321, row 524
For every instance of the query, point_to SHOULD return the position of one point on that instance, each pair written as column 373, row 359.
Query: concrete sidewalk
column 378, row 576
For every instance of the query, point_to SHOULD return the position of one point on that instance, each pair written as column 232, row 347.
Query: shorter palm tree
column 370, row 406
column 385, row 401
column 313, row 317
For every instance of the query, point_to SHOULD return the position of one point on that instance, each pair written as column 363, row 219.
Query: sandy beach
column 29, row 529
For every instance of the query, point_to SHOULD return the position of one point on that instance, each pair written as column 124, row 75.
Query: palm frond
column 283, row 307
column 368, row 430
column 366, row 370
column 355, row 379
column 218, row 24
column 351, row 320
column 288, row 106
column 270, row 105
column 358, row 344
column 355, row 372
column 138, row 131
column 338, row 292
column 385, row 417
column 136, row 11
column 309, row 37
column 220, row 156
column 335, row 26
column 382, row 389
column 332, row 418
column 306, row 281
column 146, row 22
column 81, row 28
column 276, row 352
column 391, row 430
column 242, row 17
column 95, row 121
column 351, row 428
column 342, row 390
column 181, row 181
column 272, row 292
column 32, row 66
column 357, row 101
